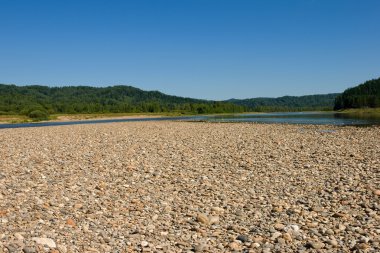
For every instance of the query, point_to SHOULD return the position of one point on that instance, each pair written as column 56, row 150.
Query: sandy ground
column 92, row 117
column 185, row 187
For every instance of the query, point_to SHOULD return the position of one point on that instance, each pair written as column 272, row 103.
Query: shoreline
column 18, row 119
column 70, row 117
column 375, row 111
column 64, row 120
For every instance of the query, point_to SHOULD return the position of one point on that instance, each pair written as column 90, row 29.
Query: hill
column 289, row 103
column 26, row 100
column 361, row 96
column 84, row 99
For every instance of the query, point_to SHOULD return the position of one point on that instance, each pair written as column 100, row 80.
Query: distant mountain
column 363, row 95
column 84, row 99
column 288, row 103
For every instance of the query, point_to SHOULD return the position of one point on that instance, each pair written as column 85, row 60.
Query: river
column 314, row 118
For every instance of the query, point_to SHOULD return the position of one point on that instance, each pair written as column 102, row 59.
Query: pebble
column 19, row 236
column 189, row 186
column 312, row 224
column 316, row 245
column 70, row 222
column 275, row 235
column 342, row 227
column 45, row 241
column 242, row 238
column 200, row 247
column 332, row 243
column 292, row 228
column 29, row 250
column 217, row 209
column 202, row 218
column 214, row 220
column 287, row 237
column 234, row 246
column 255, row 245
column 12, row 248
column 279, row 226
column 362, row 246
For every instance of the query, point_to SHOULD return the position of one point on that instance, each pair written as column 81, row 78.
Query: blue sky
column 213, row 49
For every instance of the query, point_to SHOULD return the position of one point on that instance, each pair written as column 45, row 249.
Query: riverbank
column 19, row 119
column 16, row 119
column 180, row 186
column 373, row 111
column 299, row 118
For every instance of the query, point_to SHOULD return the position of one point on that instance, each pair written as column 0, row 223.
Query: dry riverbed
column 183, row 187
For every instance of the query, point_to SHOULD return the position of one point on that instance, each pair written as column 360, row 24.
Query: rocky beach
column 190, row 187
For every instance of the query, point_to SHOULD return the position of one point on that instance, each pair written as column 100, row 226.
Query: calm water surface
column 314, row 118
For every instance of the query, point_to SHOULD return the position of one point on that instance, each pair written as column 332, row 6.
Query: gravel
column 190, row 186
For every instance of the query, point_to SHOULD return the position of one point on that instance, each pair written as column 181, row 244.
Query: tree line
column 36, row 100
column 361, row 96
column 289, row 103
column 116, row 99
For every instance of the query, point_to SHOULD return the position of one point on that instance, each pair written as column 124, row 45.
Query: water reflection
column 315, row 118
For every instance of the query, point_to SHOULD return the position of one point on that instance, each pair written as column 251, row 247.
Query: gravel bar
column 190, row 187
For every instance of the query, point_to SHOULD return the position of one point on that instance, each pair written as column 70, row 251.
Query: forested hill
column 289, row 103
column 84, row 99
column 363, row 95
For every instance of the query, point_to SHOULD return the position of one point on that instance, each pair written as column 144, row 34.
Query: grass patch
column 13, row 119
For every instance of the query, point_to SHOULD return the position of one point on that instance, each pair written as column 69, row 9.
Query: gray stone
column 242, row 238
column 29, row 250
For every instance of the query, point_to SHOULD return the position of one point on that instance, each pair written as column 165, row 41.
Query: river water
column 314, row 118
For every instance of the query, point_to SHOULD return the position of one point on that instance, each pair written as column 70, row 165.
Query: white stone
column 45, row 241
column 292, row 228
column 19, row 236
column 275, row 235
column 144, row 243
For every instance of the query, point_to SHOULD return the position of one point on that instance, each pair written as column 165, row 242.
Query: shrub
column 38, row 115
